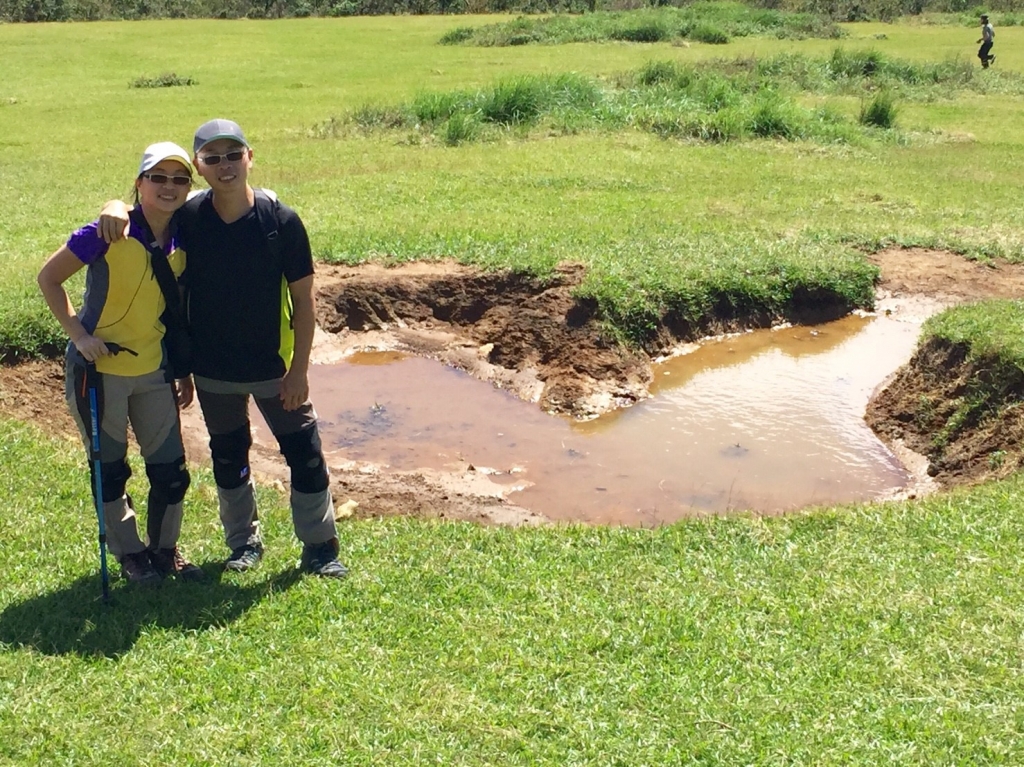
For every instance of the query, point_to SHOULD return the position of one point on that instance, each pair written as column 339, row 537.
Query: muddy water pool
column 768, row 420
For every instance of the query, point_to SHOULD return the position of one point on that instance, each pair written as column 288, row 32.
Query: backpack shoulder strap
column 158, row 262
column 267, row 211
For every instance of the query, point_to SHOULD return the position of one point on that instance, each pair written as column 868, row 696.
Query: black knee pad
column 230, row 453
column 113, row 476
column 302, row 452
column 169, row 481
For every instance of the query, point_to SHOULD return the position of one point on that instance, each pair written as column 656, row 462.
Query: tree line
column 94, row 10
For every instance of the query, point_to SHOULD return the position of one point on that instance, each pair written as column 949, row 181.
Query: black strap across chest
column 161, row 268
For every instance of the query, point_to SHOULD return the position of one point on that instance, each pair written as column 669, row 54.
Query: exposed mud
column 950, row 420
column 535, row 339
column 964, row 415
column 525, row 334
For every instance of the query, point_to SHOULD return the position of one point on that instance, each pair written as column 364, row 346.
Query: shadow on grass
column 76, row 620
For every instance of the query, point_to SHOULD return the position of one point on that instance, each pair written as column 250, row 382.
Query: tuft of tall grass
column 434, row 108
column 880, row 112
column 166, row 80
column 875, row 66
column 707, row 103
column 457, row 35
column 655, row 72
column 523, row 99
column 460, row 128
column 710, row 34
column 846, row 71
column 649, row 31
column 773, row 117
column 369, row 117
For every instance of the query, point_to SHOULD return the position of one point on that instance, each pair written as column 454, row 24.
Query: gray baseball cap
column 216, row 129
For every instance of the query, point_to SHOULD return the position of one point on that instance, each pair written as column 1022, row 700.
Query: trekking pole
column 92, row 381
column 97, row 472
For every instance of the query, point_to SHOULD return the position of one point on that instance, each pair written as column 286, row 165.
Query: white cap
column 164, row 150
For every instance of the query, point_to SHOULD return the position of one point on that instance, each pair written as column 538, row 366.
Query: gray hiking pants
column 225, row 406
column 147, row 403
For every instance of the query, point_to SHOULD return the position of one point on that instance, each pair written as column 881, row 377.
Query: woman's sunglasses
column 162, row 178
column 214, row 159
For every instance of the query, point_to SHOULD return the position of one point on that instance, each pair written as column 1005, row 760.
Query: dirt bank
column 930, row 407
column 964, row 416
column 533, row 338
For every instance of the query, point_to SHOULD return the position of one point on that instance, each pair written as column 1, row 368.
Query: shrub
column 705, row 33
column 646, row 32
column 166, row 80
column 457, row 36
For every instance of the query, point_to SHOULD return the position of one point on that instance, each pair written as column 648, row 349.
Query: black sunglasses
column 161, row 178
column 214, row 159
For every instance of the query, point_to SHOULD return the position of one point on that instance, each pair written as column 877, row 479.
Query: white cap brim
column 164, row 150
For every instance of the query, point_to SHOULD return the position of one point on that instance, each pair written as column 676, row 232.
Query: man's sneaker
column 245, row 557
column 322, row 559
column 991, row 59
column 136, row 568
column 170, row 562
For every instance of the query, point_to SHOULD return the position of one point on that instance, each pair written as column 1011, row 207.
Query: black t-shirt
column 239, row 308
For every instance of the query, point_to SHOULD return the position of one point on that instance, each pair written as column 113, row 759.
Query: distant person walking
column 988, row 37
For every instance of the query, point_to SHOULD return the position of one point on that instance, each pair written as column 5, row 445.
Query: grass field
column 878, row 634
column 616, row 201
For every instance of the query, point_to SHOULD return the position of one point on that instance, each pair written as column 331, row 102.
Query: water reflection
column 769, row 420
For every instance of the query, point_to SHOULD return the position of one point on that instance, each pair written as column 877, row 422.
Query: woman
column 122, row 307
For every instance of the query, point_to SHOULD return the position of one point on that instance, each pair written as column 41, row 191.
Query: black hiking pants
column 983, row 53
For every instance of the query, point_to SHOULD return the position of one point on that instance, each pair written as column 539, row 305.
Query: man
column 252, row 315
column 988, row 36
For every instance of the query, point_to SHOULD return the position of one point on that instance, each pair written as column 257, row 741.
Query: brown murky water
column 768, row 420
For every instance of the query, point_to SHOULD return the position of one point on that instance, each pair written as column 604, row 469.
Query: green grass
column 852, row 71
column 576, row 195
column 878, row 634
column 991, row 330
column 992, row 335
column 880, row 112
column 166, row 80
column 714, row 23
column 885, row 633
column 722, row 101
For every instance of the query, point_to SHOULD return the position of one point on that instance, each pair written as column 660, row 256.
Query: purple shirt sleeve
column 87, row 244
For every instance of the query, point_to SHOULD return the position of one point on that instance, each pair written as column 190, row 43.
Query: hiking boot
column 322, row 559
column 245, row 557
column 170, row 562
column 136, row 568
